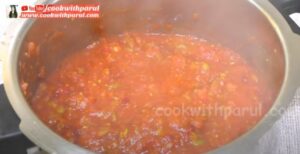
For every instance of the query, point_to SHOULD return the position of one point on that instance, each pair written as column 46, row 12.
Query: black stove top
column 12, row 141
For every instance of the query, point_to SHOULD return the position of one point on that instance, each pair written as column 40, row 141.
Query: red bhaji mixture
column 150, row 93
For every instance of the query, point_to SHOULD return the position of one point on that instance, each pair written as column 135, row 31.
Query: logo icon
column 24, row 8
column 39, row 8
column 13, row 11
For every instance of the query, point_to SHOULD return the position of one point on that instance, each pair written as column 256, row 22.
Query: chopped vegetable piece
column 60, row 109
column 113, row 86
column 205, row 66
column 124, row 133
column 103, row 131
column 81, row 70
column 196, row 140
column 114, row 117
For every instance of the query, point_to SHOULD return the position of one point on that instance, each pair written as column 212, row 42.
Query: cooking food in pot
column 152, row 93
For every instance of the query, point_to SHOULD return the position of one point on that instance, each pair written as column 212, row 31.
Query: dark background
column 12, row 141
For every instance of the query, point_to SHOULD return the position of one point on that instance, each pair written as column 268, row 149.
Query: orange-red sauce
column 146, row 93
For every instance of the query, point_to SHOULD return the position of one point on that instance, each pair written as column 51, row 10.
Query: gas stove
column 12, row 141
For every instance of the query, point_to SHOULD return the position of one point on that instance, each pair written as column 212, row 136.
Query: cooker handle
column 290, row 9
